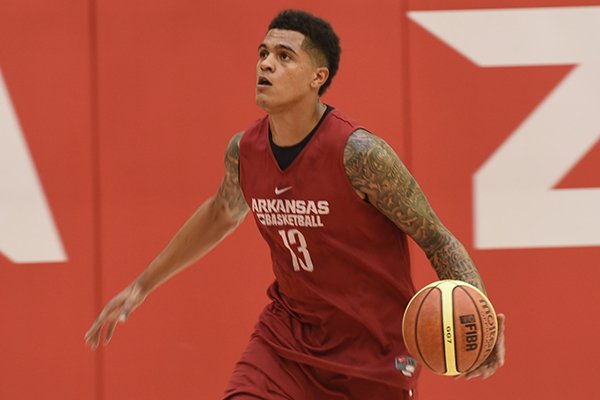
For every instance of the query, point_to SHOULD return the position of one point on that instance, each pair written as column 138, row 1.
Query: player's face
column 285, row 72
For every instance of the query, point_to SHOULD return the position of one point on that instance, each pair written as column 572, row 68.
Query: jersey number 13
column 300, row 256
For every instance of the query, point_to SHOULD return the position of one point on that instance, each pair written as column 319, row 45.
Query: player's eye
column 263, row 54
column 285, row 56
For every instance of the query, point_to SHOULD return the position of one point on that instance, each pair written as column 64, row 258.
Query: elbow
column 221, row 217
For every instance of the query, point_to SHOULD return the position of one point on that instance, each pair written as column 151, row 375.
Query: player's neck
column 292, row 125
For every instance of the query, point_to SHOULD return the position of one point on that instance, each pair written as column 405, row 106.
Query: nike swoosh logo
column 282, row 190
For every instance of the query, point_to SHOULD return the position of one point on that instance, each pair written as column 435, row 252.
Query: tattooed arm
column 378, row 175
column 212, row 221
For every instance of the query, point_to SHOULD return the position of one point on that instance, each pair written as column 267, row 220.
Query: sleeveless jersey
column 341, row 267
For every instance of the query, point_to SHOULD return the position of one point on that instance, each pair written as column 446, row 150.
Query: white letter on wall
column 515, row 203
column 27, row 231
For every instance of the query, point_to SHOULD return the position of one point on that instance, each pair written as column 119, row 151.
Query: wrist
column 141, row 286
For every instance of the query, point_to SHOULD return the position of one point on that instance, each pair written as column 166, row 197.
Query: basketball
column 450, row 327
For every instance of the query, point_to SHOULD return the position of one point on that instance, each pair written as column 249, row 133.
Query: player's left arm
column 377, row 173
column 379, row 176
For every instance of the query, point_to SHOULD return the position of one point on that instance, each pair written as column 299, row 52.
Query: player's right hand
column 117, row 310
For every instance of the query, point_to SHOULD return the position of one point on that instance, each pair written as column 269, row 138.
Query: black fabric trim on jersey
column 286, row 155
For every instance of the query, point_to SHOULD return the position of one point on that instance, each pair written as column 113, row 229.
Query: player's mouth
column 263, row 82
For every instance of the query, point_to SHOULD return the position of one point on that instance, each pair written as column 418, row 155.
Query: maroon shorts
column 262, row 374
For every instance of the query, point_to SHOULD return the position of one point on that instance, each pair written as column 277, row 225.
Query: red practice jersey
column 341, row 267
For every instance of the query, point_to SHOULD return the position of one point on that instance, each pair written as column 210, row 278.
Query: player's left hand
column 496, row 359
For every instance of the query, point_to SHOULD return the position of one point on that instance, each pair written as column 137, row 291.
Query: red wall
column 127, row 107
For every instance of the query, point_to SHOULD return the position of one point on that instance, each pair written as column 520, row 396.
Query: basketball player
column 335, row 204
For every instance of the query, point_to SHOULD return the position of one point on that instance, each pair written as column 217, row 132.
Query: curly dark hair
column 319, row 36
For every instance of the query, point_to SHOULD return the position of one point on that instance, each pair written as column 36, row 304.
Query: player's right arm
column 212, row 221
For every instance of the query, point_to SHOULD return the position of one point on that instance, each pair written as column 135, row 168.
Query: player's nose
column 266, row 64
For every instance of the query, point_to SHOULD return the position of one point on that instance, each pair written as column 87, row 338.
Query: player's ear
column 320, row 77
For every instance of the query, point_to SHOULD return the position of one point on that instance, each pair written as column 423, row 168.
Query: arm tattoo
column 230, row 194
column 375, row 170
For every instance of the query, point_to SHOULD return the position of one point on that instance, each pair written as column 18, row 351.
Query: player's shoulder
column 361, row 142
column 340, row 121
column 235, row 139
column 250, row 135
column 233, row 147
column 256, row 128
